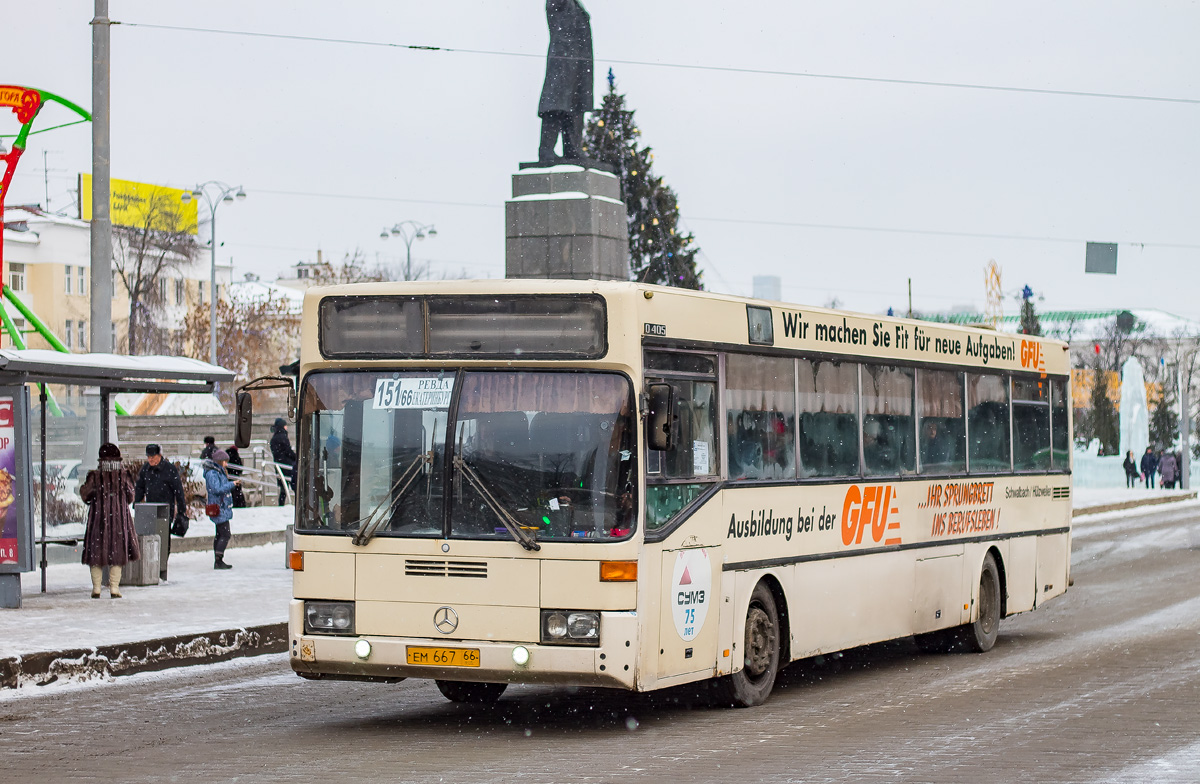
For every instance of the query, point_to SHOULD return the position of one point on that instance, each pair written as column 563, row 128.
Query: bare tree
column 257, row 335
column 351, row 269
column 143, row 256
column 1124, row 337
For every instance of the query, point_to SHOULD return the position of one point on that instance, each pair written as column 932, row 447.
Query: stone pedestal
column 566, row 222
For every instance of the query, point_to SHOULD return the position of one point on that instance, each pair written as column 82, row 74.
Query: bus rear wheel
column 752, row 684
column 980, row 635
column 474, row 693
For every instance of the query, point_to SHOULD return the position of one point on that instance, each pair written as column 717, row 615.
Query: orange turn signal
column 296, row 560
column 618, row 571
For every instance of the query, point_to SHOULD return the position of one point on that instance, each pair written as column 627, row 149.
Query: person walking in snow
column 283, row 455
column 110, row 538
column 1168, row 469
column 220, row 503
column 210, row 446
column 1131, row 470
column 1149, row 466
column 158, row 482
column 235, row 470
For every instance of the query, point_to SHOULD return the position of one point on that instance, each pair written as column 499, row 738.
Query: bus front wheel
column 475, row 693
column 752, row 684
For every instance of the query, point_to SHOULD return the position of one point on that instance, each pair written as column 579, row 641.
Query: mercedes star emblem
column 445, row 619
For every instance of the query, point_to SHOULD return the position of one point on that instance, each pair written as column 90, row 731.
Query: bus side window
column 1031, row 424
column 828, row 417
column 942, row 438
column 693, row 455
column 987, row 422
column 695, row 444
column 888, row 432
column 1060, row 434
column 761, row 417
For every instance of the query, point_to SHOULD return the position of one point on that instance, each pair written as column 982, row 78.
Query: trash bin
column 155, row 520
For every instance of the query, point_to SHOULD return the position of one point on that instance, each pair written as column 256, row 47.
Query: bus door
column 689, row 613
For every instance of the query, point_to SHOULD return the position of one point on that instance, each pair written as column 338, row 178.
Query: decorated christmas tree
column 659, row 252
column 1030, row 323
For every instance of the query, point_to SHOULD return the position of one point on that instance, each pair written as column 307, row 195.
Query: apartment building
column 47, row 264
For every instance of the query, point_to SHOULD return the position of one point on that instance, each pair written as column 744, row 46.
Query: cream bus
column 622, row 485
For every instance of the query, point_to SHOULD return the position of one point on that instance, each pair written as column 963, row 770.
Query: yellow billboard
column 136, row 204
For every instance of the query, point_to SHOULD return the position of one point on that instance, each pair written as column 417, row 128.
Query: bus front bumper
column 609, row 665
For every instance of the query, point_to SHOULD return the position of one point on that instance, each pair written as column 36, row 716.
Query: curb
column 46, row 667
column 1114, row 507
column 193, row 544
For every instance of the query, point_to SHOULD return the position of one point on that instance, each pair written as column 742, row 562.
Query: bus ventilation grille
column 445, row 569
column 1062, row 492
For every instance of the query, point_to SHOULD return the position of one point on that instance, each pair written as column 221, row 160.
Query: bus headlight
column 570, row 627
column 329, row 617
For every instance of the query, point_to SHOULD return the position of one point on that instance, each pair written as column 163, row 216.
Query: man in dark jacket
column 283, row 455
column 1149, row 466
column 158, row 482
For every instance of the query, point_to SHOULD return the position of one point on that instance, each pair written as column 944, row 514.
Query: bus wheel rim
column 759, row 634
column 987, row 603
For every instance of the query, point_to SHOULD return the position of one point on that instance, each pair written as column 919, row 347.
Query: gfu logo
column 873, row 506
column 1032, row 356
column 691, row 589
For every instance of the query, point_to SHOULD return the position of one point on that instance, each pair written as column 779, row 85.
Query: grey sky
column 434, row 136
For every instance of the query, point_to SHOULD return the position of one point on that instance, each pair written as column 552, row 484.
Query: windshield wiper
column 510, row 522
column 380, row 515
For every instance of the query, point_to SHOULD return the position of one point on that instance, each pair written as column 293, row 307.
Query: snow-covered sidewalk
column 195, row 599
column 1097, row 499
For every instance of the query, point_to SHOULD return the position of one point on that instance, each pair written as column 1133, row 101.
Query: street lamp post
column 214, row 193
column 409, row 231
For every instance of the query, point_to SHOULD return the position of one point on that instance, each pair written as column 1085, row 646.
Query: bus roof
column 683, row 317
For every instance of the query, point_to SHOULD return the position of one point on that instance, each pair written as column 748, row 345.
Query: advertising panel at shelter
column 134, row 204
column 9, row 516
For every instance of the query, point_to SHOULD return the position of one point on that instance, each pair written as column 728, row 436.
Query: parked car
column 63, row 476
column 63, row 504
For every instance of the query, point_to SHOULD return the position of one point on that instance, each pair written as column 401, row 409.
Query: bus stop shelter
column 111, row 374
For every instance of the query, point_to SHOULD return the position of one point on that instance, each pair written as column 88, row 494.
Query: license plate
column 443, row 657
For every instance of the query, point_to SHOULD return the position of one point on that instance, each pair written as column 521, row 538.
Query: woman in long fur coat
column 110, row 539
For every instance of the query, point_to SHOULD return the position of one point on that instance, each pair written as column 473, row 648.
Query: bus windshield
column 531, row 455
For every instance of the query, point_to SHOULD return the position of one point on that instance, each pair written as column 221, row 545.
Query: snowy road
column 1101, row 685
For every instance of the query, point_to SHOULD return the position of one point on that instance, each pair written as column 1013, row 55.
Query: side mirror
column 243, row 419
column 660, row 416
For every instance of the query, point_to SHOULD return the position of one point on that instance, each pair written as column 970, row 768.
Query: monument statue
column 567, row 91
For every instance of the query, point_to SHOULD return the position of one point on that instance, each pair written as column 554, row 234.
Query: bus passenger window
column 888, row 433
column 987, row 422
column 663, row 502
column 828, row 417
column 695, row 449
column 1060, row 424
column 942, row 440
column 1031, row 424
column 761, row 417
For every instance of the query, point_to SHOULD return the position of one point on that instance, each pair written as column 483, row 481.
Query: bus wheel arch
column 762, row 646
column 979, row 635
column 785, row 627
column 1003, row 575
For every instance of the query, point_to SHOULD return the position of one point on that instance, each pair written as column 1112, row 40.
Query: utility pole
column 1185, row 430
column 101, row 248
column 910, row 297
